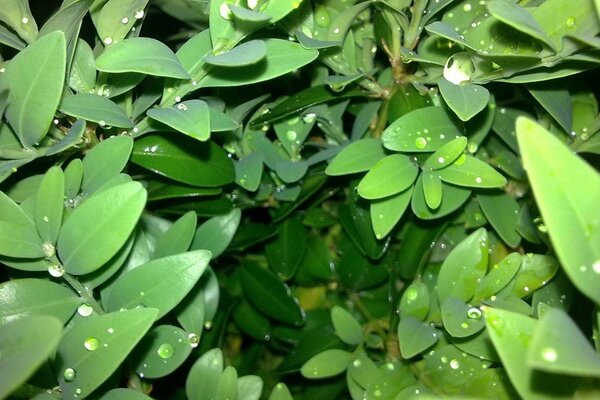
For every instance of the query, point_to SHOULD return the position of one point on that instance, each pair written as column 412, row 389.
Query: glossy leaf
column 498, row 277
column 502, row 211
column 204, row 375
column 35, row 82
column 460, row 319
column 466, row 100
column 23, row 351
column 105, row 161
column 358, row 156
column 566, row 189
column 432, row 189
column 556, row 101
column 346, row 326
column 275, row 300
column 422, row 130
column 327, row 363
column 249, row 387
column 390, row 175
column 184, row 160
column 558, row 346
column 82, row 77
column 178, row 238
column 94, row 348
column 415, row 336
column 453, row 198
column 280, row 392
column 415, row 301
column 49, row 205
column 536, row 270
column 190, row 117
column 252, row 322
column 216, row 233
column 143, row 55
column 26, row 297
column 97, row 229
column 464, row 267
column 162, row 350
column 17, row 15
column 471, row 172
column 18, row 234
column 124, row 394
column 242, row 55
column 385, row 213
column 446, row 154
column 96, row 109
column 161, row 283
column 117, row 17
column 286, row 252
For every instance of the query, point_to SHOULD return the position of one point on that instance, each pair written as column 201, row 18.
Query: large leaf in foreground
column 97, row 229
column 567, row 191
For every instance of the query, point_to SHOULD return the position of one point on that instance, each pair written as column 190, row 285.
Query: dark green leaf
column 162, row 350
column 252, row 322
column 190, row 117
column 105, row 161
column 390, row 175
column 97, row 229
column 216, row 234
column 285, row 253
column 415, row 336
column 96, row 109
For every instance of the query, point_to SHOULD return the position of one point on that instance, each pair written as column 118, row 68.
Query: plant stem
column 83, row 292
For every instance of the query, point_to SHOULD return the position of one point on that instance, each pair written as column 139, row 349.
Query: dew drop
column 291, row 135
column 441, row 160
column 69, row 375
column 46, row 219
column 110, row 330
column 420, row 143
column 56, row 271
column 478, row 179
column 411, row 294
column 467, row 7
column 48, row 249
column 252, row 4
column 102, row 123
column 124, row 20
column 139, row 14
column 107, row 40
column 570, row 22
column 91, row 343
column 225, row 11
column 454, row 364
column 165, row 351
column 85, row 310
column 474, row 313
column 549, row 354
column 464, row 325
column 193, row 340
column 182, row 107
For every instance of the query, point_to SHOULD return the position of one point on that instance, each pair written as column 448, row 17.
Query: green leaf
column 466, row 100
column 498, row 277
column 446, row 154
column 282, row 57
column 326, row 364
column 464, row 267
column 22, row 350
column 190, row 117
column 535, row 271
column 227, row 388
column 252, row 322
column 567, row 190
column 72, row 139
column 310, row 43
column 453, row 198
column 184, row 160
column 346, row 326
column 460, row 319
column 143, row 55
column 275, row 299
column 249, row 387
column 105, row 161
column 203, row 378
column 49, row 205
column 117, row 17
column 244, row 15
column 556, row 101
column 161, row 351
column 502, row 211
column 391, row 175
column 94, row 348
column 96, row 109
column 385, row 213
column 286, row 252
column 519, row 18
column 35, row 79
column 97, row 229
column 124, row 394
column 18, row 234
column 358, row 156
column 17, row 15
column 160, row 283
column 82, row 76
column 415, row 301
column 280, row 392
column 470, row 171
column 178, row 238
column 25, row 297
column 242, row 55
column 415, row 336
column 432, row 189
column 216, row 233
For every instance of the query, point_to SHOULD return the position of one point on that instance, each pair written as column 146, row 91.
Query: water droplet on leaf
column 165, row 350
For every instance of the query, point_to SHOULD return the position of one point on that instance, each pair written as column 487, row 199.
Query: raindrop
column 91, row 343
column 48, row 249
column 139, row 14
column 549, row 354
column 69, row 374
column 356, row 363
column 110, row 330
column 464, row 325
column 102, row 123
column 124, row 20
column 596, row 266
column 252, row 4
column 25, row 20
column 454, row 364
column 165, row 350
column 56, row 271
column 474, row 313
column 478, row 179
column 467, row 7
column 441, row 160
column 291, row 135
column 571, row 22
column 412, row 294
column 107, row 40
column 193, row 339
column 85, row 310
column 420, row 143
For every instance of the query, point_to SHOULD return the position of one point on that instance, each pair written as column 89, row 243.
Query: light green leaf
column 248, row 171
column 464, row 267
column 385, row 213
column 35, row 79
column 358, row 156
column 242, row 55
column 390, row 175
column 535, row 271
column 190, row 117
column 280, row 392
column 556, row 101
column 470, row 171
column 97, row 229
column 18, row 234
column 432, row 189
column 17, row 15
column 519, row 18
column 96, row 109
column 160, row 283
column 567, row 191
column 25, row 297
column 117, row 17
column 105, row 161
column 178, row 238
column 502, row 211
column 124, row 394
column 326, row 364
column 346, row 326
column 203, row 378
column 82, row 76
column 227, row 388
column 460, row 319
column 415, row 301
column 281, row 58
column 49, row 205
column 250, row 16
column 216, row 233
column 422, row 130
column 453, row 198
column 446, row 154
column 249, row 387
column 161, row 351
column 498, row 277
column 466, row 100
column 415, row 336
column 310, row 43
column 94, row 348
column 23, row 351
column 559, row 347
column 143, row 55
